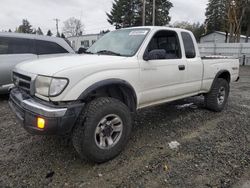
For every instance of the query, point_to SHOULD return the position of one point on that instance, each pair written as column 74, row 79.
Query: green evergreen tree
column 161, row 13
column 116, row 16
column 127, row 13
column 25, row 27
column 216, row 16
column 197, row 29
column 49, row 33
column 39, row 31
column 63, row 36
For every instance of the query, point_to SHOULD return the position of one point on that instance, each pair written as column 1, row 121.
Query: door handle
column 181, row 67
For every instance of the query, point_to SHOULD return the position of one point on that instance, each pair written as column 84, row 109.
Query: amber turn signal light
column 40, row 123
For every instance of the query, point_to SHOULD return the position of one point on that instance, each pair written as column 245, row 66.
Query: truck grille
column 21, row 81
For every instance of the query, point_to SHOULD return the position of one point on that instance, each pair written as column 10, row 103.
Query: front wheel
column 103, row 130
column 216, row 99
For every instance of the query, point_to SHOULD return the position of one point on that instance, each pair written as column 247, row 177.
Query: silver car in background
column 16, row 48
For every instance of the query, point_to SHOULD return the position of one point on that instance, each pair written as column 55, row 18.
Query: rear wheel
column 216, row 99
column 102, row 130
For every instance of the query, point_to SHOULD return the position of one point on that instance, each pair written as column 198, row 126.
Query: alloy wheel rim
column 221, row 95
column 108, row 131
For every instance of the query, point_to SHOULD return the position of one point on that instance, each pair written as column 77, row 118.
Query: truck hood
column 51, row 66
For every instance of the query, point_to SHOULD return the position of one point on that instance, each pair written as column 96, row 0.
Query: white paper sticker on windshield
column 139, row 32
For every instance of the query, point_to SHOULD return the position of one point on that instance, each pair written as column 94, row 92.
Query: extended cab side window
column 16, row 46
column 46, row 47
column 188, row 45
column 167, row 41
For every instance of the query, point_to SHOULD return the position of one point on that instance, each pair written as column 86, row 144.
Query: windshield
column 124, row 42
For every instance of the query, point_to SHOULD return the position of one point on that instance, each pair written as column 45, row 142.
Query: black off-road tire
column 83, row 136
column 211, row 98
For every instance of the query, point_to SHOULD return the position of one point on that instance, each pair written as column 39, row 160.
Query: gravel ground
column 214, row 149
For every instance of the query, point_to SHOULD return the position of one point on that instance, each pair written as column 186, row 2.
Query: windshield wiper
column 86, row 52
column 108, row 52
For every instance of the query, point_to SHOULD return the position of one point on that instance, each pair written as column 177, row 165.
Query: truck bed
column 214, row 64
column 218, row 57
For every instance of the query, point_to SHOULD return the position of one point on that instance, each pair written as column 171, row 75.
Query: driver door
column 163, row 79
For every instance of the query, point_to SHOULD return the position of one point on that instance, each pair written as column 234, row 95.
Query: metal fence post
column 214, row 48
column 244, row 60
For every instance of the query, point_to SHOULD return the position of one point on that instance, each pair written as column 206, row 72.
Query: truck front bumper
column 59, row 120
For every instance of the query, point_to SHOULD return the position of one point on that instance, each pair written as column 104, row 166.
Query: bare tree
column 73, row 27
column 236, row 12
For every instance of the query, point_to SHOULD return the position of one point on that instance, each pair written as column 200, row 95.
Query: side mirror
column 190, row 54
column 155, row 54
column 81, row 50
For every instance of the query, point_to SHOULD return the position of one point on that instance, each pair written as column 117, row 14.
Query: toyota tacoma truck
column 92, row 97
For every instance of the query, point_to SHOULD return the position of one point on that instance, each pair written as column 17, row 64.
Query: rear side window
column 46, row 47
column 16, row 46
column 188, row 45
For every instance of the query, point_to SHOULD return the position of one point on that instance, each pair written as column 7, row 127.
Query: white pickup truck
column 93, row 96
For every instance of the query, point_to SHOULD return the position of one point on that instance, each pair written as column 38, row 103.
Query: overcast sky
column 92, row 13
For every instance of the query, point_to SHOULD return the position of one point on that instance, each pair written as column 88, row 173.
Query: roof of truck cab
column 57, row 40
column 157, row 28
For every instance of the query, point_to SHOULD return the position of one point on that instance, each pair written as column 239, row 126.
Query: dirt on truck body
column 214, row 149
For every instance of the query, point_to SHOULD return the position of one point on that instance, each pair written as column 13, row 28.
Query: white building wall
column 84, row 41
column 217, row 38
column 237, row 50
column 212, row 38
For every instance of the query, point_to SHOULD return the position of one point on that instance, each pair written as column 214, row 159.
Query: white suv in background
column 17, row 47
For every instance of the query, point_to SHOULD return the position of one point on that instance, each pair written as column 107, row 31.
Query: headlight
column 48, row 86
column 57, row 86
column 42, row 85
